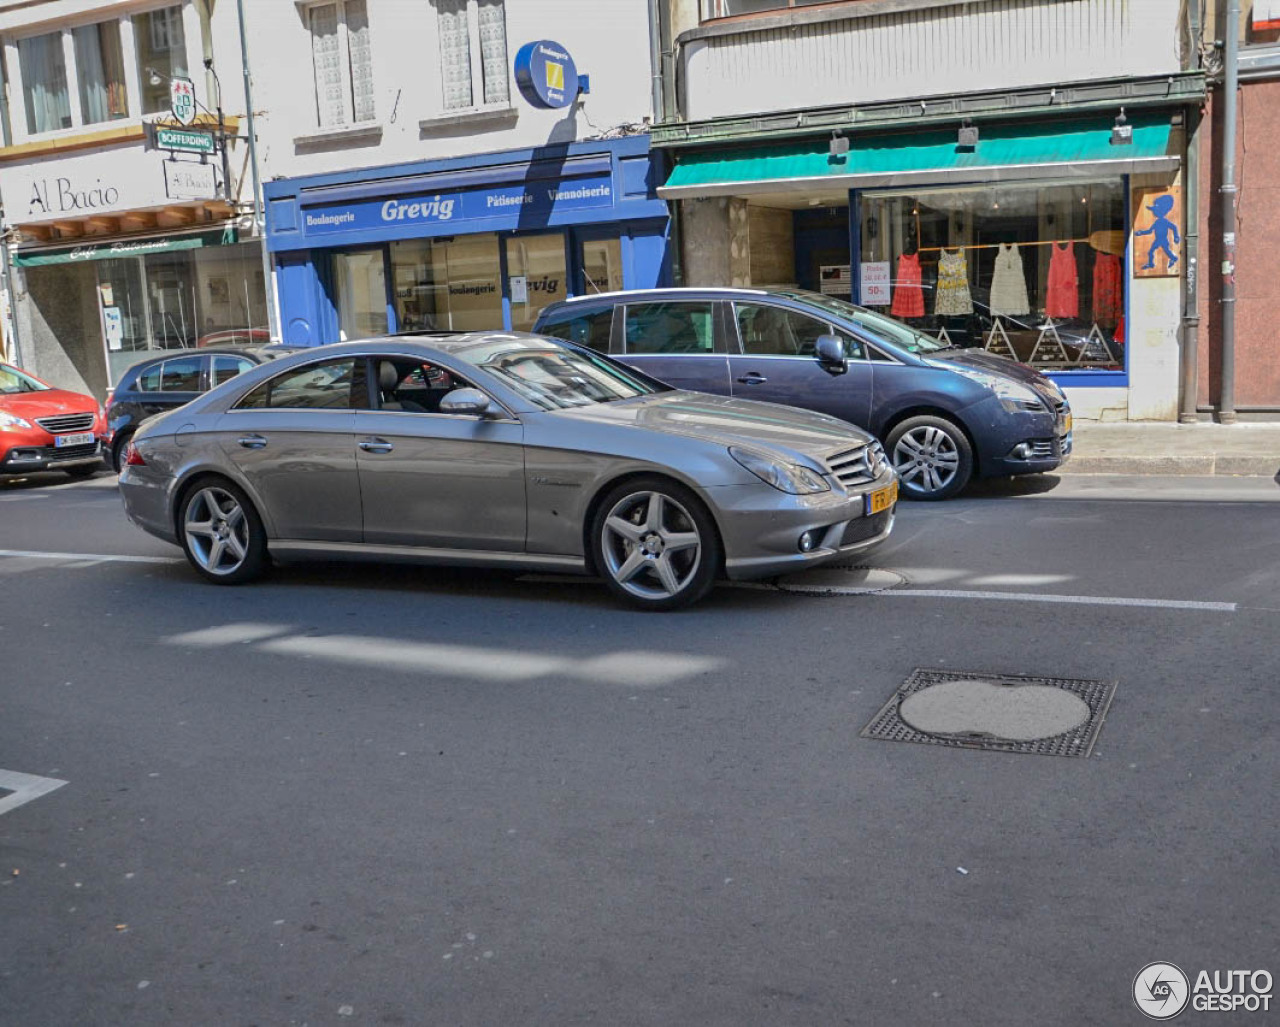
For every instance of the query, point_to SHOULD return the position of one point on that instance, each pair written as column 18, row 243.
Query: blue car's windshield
column 902, row 336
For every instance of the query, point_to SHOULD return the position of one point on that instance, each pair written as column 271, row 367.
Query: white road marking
column 24, row 787
column 1041, row 597
column 96, row 558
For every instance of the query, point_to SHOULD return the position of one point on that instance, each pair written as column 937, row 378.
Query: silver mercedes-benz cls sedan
column 509, row 450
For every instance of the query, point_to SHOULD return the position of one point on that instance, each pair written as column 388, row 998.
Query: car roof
column 683, row 292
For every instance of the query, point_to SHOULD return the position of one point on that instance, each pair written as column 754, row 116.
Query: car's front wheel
column 655, row 544
column 932, row 456
column 222, row 533
column 118, row 450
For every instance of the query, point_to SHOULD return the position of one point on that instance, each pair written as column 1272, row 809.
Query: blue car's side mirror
column 829, row 349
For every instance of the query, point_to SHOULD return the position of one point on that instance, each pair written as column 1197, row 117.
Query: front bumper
column 761, row 527
column 1023, row 443
column 21, row 459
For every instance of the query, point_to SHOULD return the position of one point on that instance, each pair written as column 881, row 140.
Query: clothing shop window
column 100, row 71
column 342, row 61
column 731, row 8
column 1034, row 271
column 473, row 52
column 44, row 83
column 161, row 45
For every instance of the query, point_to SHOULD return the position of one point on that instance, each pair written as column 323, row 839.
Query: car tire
column 221, row 532
column 655, row 544
column 117, row 451
column 932, row 456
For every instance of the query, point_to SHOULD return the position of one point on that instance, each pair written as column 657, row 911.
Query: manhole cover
column 1003, row 712
column 841, row 581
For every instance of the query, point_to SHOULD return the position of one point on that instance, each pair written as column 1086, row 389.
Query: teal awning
column 1045, row 149
column 125, row 248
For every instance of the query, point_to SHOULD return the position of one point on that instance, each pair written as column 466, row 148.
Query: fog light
column 1022, row 451
column 807, row 541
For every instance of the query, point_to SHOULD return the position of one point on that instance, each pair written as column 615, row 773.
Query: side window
column 414, row 386
column 879, row 356
column 680, row 327
column 149, row 380
column 333, row 385
column 590, row 330
column 777, row 331
column 182, row 374
column 226, row 368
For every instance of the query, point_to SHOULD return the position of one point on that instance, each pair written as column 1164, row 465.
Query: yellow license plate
column 881, row 499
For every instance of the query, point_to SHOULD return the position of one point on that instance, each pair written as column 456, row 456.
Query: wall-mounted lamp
column 839, row 144
column 154, row 77
column 1121, row 131
column 968, row 136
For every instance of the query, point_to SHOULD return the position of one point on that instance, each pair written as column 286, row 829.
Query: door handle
column 376, row 446
column 752, row 378
column 252, row 441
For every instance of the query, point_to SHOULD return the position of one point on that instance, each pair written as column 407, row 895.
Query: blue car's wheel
column 932, row 456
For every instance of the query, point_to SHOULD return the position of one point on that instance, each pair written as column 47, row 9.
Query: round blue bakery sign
column 546, row 74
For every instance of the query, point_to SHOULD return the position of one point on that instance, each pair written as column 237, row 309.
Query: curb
column 1203, row 464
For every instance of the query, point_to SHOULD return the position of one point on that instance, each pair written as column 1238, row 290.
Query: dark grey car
column 510, row 450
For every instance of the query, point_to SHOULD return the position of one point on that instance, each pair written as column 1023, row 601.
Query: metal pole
column 655, row 57
column 259, row 221
column 1230, row 86
column 1189, row 368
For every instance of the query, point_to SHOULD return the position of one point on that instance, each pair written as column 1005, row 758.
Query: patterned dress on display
column 953, row 285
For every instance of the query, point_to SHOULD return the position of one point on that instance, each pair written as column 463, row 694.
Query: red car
column 47, row 429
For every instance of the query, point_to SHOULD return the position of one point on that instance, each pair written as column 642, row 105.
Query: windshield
column 556, row 377
column 12, row 380
column 903, row 336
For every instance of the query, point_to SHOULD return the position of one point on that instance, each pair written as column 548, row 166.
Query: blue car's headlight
column 1013, row 396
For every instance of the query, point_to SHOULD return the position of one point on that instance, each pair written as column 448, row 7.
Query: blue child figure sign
column 1163, row 253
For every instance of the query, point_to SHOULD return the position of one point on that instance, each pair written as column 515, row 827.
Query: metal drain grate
column 888, row 723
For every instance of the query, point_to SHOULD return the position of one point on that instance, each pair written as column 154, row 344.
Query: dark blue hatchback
column 944, row 414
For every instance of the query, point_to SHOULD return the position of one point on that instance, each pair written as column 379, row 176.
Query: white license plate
column 83, row 438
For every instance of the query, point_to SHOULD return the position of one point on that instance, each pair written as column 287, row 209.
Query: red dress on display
column 1063, row 299
column 1108, row 293
column 908, row 297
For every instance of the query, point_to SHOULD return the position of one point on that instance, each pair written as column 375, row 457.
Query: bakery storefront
column 1056, row 243
column 473, row 243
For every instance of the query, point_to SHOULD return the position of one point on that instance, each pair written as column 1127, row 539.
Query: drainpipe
column 259, row 220
column 655, row 57
column 1189, row 368
column 1230, row 86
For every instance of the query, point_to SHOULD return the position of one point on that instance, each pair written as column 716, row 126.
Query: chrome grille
column 65, row 423
column 850, row 466
column 1041, row 449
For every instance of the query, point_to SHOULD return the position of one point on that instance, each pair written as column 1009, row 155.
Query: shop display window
column 361, row 286
column 536, row 274
column 1034, row 271
column 450, row 284
column 601, row 265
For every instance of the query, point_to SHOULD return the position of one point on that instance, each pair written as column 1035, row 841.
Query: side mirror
column 829, row 349
column 466, row 401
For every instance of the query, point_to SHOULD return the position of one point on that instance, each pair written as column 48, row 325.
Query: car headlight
column 12, row 421
column 1013, row 396
column 790, row 478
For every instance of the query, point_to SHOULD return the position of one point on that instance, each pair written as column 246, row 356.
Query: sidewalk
column 1162, row 448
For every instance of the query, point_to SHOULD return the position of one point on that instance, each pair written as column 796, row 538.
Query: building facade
column 1008, row 172
column 115, row 245
column 414, row 185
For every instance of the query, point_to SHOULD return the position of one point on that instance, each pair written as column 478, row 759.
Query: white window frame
column 477, row 63
column 18, row 127
column 347, row 76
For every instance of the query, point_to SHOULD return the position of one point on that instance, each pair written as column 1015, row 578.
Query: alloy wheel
column 216, row 530
column 926, row 459
column 651, row 545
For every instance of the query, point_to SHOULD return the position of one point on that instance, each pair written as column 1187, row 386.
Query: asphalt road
column 389, row 795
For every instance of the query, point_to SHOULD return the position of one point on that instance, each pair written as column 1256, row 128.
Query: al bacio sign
column 104, row 182
column 473, row 205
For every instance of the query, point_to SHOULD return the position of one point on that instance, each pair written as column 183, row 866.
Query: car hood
column 47, row 403
column 730, row 422
column 981, row 360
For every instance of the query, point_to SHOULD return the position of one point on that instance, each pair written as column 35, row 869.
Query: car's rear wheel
column 932, row 456
column 117, row 451
column 222, row 533
column 655, row 544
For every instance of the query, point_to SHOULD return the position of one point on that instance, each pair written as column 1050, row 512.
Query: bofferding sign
column 96, row 182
